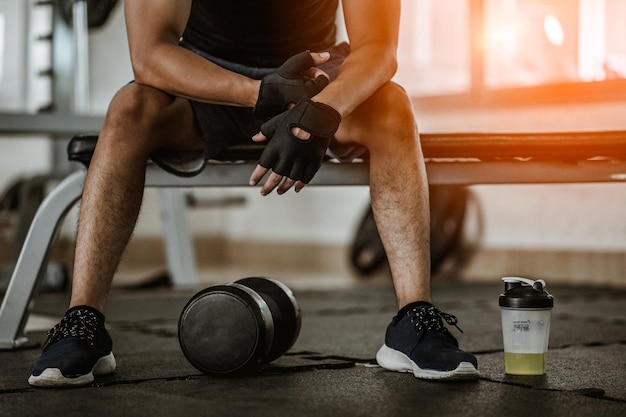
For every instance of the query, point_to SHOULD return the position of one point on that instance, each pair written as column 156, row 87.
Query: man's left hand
column 298, row 140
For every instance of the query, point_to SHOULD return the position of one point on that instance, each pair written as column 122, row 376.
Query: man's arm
column 372, row 27
column 154, row 28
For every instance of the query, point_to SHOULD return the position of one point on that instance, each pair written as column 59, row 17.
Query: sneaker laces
column 429, row 318
column 80, row 323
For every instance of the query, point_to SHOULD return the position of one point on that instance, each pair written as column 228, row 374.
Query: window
column 520, row 51
column 1, row 45
column 433, row 52
column 11, row 55
column 535, row 42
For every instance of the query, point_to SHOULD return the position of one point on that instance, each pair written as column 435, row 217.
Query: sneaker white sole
column 394, row 360
column 52, row 377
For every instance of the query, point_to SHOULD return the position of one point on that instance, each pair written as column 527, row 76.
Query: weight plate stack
column 285, row 313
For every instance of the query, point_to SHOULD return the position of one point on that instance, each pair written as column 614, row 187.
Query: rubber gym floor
column 330, row 371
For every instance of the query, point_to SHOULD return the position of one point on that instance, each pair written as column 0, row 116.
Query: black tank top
column 261, row 33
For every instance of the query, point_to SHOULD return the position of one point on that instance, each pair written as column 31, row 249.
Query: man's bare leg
column 140, row 120
column 416, row 340
column 398, row 188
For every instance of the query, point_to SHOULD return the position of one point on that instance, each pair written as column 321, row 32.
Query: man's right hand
column 296, row 79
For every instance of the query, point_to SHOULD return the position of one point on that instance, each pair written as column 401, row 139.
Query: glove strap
column 318, row 119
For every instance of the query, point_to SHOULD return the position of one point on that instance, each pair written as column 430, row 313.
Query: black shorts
column 222, row 125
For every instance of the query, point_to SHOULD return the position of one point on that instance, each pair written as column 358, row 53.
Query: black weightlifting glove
column 287, row 85
column 290, row 156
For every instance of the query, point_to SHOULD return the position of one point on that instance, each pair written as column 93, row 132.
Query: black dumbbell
column 232, row 328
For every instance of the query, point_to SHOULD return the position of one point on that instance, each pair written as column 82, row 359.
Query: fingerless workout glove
column 290, row 156
column 287, row 85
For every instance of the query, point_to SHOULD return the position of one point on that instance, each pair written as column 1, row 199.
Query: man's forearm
column 372, row 27
column 364, row 71
column 154, row 28
column 182, row 73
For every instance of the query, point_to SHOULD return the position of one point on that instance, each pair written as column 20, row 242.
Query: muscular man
column 209, row 73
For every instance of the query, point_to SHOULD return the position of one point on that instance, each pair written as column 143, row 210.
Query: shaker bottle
column 525, row 308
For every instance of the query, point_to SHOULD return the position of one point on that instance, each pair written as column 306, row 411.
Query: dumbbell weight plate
column 285, row 313
column 225, row 329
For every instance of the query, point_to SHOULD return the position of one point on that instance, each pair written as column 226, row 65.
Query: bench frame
column 452, row 159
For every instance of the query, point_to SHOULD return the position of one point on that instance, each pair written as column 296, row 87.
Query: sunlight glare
column 554, row 30
column 505, row 39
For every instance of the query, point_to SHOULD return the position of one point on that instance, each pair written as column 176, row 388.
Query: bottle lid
column 525, row 293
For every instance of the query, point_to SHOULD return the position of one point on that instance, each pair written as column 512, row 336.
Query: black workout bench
column 451, row 159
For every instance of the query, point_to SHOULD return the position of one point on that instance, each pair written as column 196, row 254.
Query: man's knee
column 386, row 114
column 134, row 104
column 396, row 111
column 146, row 120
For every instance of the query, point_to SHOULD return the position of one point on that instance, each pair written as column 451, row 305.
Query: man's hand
column 297, row 78
column 299, row 139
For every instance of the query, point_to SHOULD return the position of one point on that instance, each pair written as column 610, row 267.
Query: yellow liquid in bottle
column 525, row 363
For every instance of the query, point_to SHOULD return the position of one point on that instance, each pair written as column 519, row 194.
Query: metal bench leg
column 33, row 258
column 177, row 236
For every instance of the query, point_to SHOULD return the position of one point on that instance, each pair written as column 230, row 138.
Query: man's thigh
column 193, row 132
column 221, row 126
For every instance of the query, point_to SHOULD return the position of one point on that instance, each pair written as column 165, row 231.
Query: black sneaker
column 417, row 341
column 78, row 348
